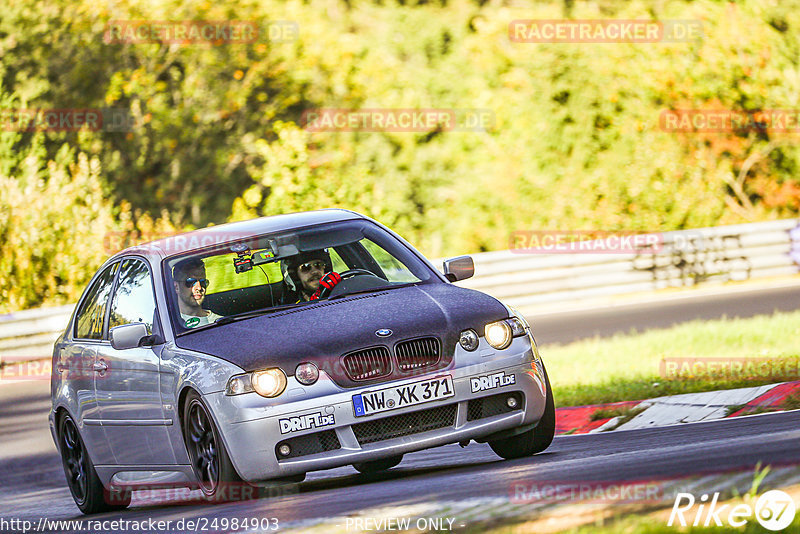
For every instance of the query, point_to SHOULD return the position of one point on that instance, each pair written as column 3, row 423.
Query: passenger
column 307, row 274
column 189, row 277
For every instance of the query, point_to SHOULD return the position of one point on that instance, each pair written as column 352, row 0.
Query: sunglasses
column 192, row 281
column 316, row 264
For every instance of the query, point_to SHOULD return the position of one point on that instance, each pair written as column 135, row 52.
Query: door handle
column 100, row 367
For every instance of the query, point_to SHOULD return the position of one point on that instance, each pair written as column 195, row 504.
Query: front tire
column 84, row 484
column 534, row 440
column 376, row 466
column 210, row 461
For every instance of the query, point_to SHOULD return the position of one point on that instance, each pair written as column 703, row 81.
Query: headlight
column 500, row 333
column 239, row 384
column 267, row 383
column 468, row 340
column 306, row 373
column 517, row 326
column 518, row 316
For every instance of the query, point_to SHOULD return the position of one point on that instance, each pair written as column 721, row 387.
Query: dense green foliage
column 575, row 144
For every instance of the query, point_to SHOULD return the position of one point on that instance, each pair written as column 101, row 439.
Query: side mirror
column 128, row 336
column 459, row 268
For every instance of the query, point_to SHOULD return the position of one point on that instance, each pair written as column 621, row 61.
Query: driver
column 189, row 279
column 305, row 274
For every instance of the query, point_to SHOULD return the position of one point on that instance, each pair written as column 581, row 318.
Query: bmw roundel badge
column 383, row 332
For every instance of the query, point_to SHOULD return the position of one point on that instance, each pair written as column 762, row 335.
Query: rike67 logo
column 774, row 511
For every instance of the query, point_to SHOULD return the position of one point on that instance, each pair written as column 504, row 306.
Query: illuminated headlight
column 267, row 383
column 500, row 333
column 306, row 373
column 468, row 340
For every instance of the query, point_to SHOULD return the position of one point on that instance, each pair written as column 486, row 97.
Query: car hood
column 322, row 333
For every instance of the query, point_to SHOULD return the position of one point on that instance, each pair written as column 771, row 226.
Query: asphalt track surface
column 32, row 483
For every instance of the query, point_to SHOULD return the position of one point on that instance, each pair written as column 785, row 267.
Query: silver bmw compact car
column 258, row 351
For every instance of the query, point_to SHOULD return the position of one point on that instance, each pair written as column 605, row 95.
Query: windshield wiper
column 249, row 315
column 256, row 313
column 239, row 317
column 373, row 290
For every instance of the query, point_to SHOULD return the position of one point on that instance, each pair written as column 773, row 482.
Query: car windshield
column 292, row 268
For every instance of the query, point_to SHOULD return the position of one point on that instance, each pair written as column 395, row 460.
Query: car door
column 78, row 364
column 129, row 393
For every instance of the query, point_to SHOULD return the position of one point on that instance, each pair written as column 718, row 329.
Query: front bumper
column 252, row 426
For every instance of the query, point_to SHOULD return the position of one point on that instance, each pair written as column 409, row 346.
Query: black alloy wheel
column 74, row 457
column 210, row 461
column 88, row 492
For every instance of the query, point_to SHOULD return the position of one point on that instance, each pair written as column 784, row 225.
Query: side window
column 89, row 322
column 133, row 301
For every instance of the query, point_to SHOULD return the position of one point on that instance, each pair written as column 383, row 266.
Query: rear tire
column 376, row 466
column 88, row 492
column 216, row 476
column 534, row 440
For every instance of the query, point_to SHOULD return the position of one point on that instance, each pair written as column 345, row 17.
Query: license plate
column 392, row 398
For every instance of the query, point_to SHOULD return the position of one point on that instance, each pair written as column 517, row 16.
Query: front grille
column 417, row 353
column 405, row 424
column 310, row 444
column 367, row 364
column 493, row 405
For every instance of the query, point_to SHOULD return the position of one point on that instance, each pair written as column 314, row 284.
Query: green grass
column 644, row 518
column 752, row 411
column 631, row 522
column 625, row 413
column 629, row 366
column 792, row 402
column 635, row 524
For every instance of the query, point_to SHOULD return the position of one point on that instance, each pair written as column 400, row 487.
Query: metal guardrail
column 31, row 333
column 684, row 258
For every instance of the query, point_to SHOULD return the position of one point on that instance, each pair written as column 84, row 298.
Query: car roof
column 198, row 239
